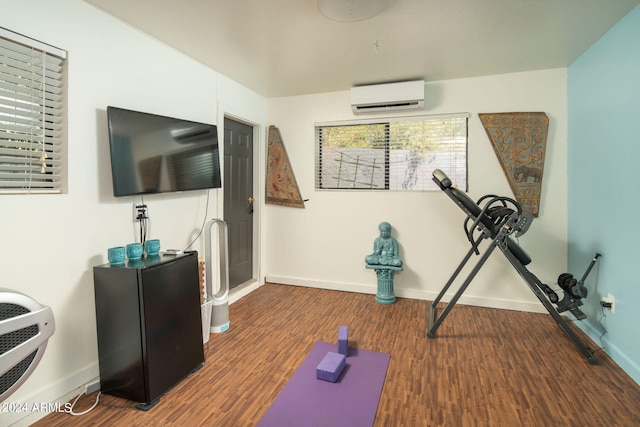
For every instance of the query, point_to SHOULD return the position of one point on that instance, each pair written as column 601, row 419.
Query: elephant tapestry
column 282, row 188
column 520, row 142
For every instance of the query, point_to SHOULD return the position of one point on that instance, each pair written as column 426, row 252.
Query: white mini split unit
column 402, row 96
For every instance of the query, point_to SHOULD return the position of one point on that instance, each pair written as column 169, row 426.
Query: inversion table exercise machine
column 500, row 219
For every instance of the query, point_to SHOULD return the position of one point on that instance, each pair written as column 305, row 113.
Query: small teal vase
column 134, row 250
column 152, row 247
column 116, row 255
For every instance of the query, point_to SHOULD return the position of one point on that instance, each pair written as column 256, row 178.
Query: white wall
column 325, row 244
column 51, row 242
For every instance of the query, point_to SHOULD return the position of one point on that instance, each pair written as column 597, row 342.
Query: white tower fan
column 25, row 328
column 220, row 300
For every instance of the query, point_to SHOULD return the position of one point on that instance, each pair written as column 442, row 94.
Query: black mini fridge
column 149, row 325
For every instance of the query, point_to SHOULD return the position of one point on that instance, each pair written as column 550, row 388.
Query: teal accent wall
column 603, row 175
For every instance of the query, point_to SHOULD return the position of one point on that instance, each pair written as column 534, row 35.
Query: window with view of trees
column 391, row 154
column 32, row 115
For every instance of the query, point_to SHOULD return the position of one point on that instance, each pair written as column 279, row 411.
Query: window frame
column 33, row 116
column 386, row 121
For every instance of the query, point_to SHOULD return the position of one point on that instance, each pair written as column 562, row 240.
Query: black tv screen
column 157, row 154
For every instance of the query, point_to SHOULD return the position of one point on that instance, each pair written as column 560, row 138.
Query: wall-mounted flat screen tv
column 156, row 154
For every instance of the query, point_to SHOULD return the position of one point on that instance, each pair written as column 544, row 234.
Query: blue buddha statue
column 385, row 249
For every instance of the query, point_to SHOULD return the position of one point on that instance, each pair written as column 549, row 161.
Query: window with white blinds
column 32, row 115
column 391, row 154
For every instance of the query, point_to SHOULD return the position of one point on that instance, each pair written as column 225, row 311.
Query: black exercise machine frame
column 498, row 220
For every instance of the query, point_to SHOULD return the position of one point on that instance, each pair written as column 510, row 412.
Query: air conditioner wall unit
column 401, row 96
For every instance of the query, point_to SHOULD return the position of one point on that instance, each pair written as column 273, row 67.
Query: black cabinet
column 149, row 325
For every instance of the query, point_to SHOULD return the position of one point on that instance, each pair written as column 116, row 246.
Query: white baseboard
column 43, row 402
column 420, row 294
column 240, row 291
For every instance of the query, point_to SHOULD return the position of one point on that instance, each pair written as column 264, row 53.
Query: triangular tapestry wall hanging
column 520, row 142
column 282, row 188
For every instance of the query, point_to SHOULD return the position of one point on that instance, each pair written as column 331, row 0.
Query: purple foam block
column 343, row 341
column 330, row 368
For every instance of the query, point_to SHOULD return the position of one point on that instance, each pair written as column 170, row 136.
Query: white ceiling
column 286, row 47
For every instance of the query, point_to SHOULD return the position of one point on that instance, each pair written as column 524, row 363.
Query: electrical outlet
column 92, row 387
column 140, row 212
column 608, row 302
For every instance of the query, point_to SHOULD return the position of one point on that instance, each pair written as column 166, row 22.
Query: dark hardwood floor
column 487, row 367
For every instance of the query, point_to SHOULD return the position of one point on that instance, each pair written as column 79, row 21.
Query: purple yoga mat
column 352, row 401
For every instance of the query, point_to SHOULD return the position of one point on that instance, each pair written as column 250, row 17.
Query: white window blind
column 391, row 154
column 32, row 119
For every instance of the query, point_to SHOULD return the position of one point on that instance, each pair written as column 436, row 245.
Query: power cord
column 144, row 222
column 603, row 322
column 141, row 216
column 72, row 412
column 204, row 221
